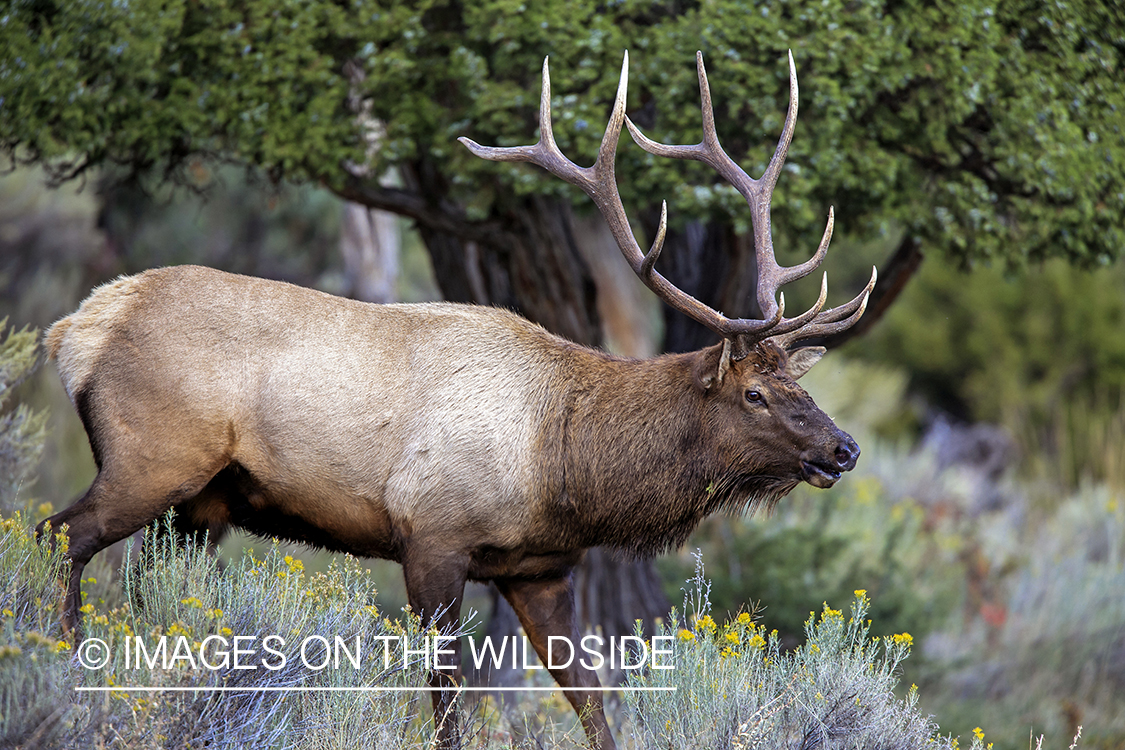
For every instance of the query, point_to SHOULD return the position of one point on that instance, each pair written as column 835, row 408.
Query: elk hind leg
column 115, row 506
column 202, row 519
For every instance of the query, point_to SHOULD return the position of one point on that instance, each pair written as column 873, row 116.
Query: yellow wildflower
column 686, row 635
column 705, row 622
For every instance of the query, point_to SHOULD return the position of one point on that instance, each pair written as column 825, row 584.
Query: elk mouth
column 819, row 475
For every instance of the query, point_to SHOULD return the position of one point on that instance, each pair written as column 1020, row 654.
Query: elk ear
column 709, row 373
column 802, row 360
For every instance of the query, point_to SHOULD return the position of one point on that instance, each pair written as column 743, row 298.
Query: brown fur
column 463, row 442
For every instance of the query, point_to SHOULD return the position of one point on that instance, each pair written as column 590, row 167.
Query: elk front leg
column 435, row 585
column 545, row 609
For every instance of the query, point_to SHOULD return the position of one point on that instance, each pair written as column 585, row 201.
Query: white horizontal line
column 363, row 689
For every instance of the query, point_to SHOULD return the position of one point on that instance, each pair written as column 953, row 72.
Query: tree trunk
column 370, row 245
column 712, row 264
column 526, row 259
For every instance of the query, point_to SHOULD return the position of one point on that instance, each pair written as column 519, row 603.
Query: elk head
column 771, row 429
column 768, row 426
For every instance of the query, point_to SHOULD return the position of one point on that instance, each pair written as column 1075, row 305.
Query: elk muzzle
column 822, row 467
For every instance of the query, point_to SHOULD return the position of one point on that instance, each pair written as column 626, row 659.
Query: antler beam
column 600, row 183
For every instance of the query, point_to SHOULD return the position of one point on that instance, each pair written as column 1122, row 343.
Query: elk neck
column 636, row 453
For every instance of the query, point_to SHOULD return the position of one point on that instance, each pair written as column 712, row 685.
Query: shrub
column 736, row 687
column 22, row 431
column 183, row 592
column 872, row 532
column 1048, row 650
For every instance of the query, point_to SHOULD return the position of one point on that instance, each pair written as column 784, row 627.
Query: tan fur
column 77, row 340
column 461, row 441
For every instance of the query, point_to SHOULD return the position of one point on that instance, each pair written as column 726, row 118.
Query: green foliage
column 990, row 130
column 736, row 687
column 146, row 84
column 1082, row 442
column 986, row 345
column 1039, row 351
column 22, row 431
column 820, row 547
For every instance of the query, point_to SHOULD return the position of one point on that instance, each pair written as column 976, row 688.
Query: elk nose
column 847, row 453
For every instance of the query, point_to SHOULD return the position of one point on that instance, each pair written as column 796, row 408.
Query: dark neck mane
column 641, row 462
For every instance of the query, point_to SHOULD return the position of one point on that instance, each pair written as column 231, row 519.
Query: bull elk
column 464, row 442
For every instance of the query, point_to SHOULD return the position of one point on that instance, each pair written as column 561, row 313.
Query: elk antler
column 599, row 182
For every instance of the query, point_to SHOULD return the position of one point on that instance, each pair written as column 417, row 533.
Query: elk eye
column 754, row 397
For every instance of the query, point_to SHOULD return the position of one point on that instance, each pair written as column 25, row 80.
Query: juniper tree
column 981, row 130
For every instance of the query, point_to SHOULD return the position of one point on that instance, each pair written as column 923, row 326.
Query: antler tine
column 599, row 182
column 831, row 321
column 545, row 152
column 758, row 193
column 791, row 324
column 709, row 150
